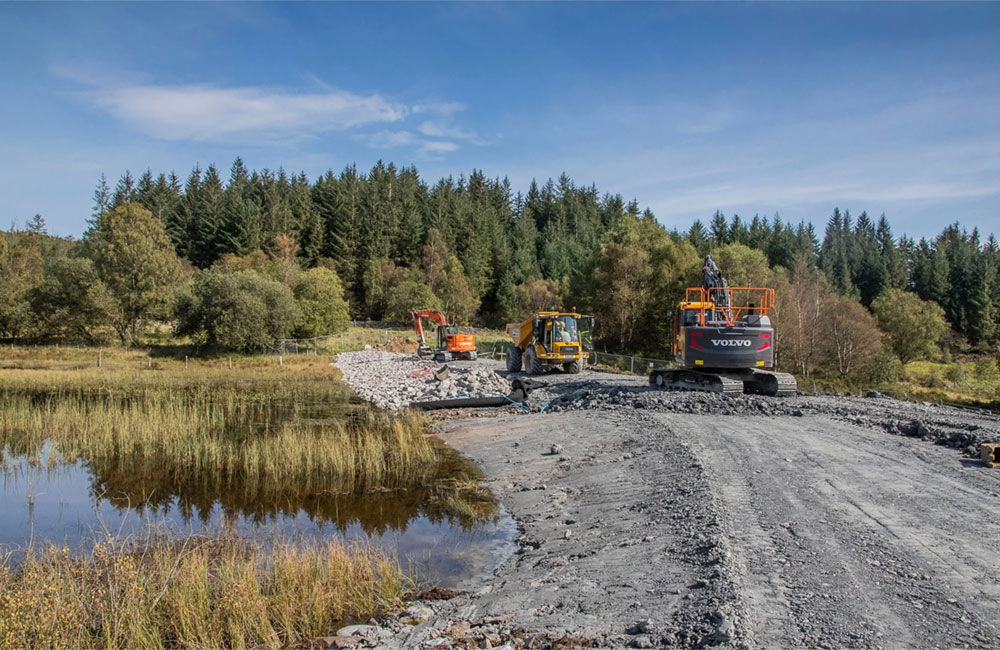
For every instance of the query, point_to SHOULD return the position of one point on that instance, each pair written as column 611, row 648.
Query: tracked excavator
column 724, row 340
column 451, row 344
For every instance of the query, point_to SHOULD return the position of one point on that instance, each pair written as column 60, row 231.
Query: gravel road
column 652, row 519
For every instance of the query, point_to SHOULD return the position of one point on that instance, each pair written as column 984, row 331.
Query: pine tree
column 124, row 191
column 307, row 225
column 698, row 237
column 205, row 228
column 180, row 222
column 102, row 201
column 240, row 230
column 738, row 232
column 719, row 229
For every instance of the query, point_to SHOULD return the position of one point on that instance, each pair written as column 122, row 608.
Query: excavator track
column 767, row 382
column 706, row 382
column 757, row 382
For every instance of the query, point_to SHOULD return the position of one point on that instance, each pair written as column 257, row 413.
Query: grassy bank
column 203, row 593
column 975, row 382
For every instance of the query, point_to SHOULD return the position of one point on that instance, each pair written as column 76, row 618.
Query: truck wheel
column 574, row 367
column 513, row 358
column 532, row 363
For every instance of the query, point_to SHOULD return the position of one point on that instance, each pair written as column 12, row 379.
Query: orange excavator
column 451, row 344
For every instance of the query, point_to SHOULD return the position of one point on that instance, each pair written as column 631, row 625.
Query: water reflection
column 441, row 521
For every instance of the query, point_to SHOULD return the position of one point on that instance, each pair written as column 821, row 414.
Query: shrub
column 320, row 297
column 72, row 301
column 240, row 310
column 408, row 295
column 914, row 326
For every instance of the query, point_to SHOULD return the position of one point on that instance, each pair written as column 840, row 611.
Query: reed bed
column 196, row 593
column 250, row 434
column 366, row 449
column 285, row 425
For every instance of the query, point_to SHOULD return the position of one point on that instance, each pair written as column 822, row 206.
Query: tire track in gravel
column 852, row 538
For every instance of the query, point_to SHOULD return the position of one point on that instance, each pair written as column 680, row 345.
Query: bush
column 320, row 297
column 240, row 310
column 914, row 326
column 72, row 301
column 408, row 295
column 884, row 368
column 955, row 373
column 987, row 371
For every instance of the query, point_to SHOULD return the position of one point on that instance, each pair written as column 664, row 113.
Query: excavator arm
column 418, row 317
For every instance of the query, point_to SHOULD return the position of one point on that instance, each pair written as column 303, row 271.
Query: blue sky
column 690, row 108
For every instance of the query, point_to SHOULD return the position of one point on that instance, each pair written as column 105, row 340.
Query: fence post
column 631, row 364
column 316, row 347
column 281, row 360
column 185, row 361
column 100, row 356
column 230, row 363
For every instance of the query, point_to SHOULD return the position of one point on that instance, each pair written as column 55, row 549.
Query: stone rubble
column 392, row 381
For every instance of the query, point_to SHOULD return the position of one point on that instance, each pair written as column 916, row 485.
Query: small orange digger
column 451, row 344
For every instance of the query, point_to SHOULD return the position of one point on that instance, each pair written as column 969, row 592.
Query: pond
column 446, row 529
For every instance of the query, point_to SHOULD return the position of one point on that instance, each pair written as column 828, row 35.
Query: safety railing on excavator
column 732, row 303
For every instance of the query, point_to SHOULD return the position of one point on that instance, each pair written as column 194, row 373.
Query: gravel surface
column 392, row 381
column 669, row 519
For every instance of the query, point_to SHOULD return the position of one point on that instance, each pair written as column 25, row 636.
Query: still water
column 442, row 531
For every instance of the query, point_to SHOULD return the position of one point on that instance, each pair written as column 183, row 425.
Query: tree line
column 265, row 254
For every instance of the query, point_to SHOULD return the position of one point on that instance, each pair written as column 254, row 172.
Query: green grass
column 974, row 382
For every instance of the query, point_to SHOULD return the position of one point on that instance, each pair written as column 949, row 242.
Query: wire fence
column 597, row 360
column 357, row 338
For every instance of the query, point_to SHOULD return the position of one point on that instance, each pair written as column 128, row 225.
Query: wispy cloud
column 439, row 108
column 444, row 129
column 388, row 139
column 437, row 147
column 424, row 147
column 213, row 113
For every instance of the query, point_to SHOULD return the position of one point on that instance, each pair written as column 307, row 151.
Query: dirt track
column 659, row 522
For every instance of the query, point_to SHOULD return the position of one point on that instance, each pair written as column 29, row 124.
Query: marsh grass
column 197, row 592
column 257, row 438
column 294, row 423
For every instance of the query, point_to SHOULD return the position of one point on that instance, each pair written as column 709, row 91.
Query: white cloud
column 389, row 139
column 437, row 147
column 442, row 129
column 439, row 108
column 212, row 113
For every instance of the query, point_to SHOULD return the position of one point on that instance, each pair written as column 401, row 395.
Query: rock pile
column 941, row 425
column 392, row 381
column 674, row 402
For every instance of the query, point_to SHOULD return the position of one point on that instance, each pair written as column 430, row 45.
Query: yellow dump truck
column 549, row 339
